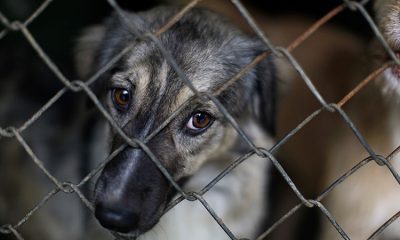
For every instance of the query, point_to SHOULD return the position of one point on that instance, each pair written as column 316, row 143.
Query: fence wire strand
column 267, row 154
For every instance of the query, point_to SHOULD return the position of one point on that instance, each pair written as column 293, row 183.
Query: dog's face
column 387, row 16
column 142, row 90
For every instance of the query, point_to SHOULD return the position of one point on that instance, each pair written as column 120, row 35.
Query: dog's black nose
column 117, row 219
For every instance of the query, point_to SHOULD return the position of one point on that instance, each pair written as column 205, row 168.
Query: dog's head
column 142, row 90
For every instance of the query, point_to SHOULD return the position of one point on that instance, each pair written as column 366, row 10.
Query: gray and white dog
column 142, row 90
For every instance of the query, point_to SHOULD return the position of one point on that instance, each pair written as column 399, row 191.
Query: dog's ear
column 265, row 94
column 87, row 49
column 260, row 83
column 99, row 44
column 86, row 52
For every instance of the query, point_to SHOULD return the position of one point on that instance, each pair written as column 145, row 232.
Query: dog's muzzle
column 131, row 193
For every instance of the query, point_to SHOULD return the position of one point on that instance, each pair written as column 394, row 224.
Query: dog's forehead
column 153, row 77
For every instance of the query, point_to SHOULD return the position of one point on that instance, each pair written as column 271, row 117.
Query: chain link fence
column 268, row 154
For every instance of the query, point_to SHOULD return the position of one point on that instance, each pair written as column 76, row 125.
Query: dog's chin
column 392, row 79
column 162, row 210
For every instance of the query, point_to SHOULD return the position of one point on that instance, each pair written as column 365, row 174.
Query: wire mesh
column 268, row 154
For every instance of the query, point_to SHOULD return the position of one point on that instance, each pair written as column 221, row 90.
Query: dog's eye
column 121, row 98
column 199, row 121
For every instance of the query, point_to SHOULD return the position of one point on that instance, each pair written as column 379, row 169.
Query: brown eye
column 121, row 98
column 199, row 121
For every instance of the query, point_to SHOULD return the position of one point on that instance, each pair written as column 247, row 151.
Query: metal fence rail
column 268, row 154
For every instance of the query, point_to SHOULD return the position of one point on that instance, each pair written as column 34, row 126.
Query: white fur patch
column 238, row 199
column 392, row 83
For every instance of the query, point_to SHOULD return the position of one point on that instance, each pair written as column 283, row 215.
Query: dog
column 142, row 90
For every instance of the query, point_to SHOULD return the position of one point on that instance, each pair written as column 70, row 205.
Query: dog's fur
column 131, row 193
